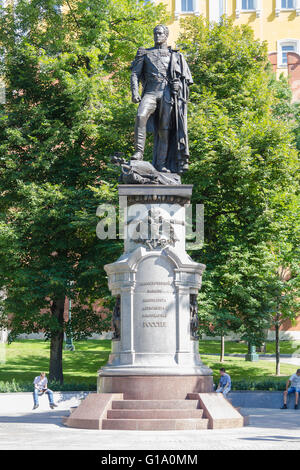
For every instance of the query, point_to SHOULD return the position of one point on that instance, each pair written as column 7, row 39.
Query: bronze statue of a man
column 165, row 78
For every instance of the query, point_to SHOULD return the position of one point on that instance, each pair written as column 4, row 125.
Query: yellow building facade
column 274, row 21
column 271, row 20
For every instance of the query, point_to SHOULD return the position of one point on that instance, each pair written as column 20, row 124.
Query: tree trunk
column 56, row 343
column 277, row 345
column 222, row 349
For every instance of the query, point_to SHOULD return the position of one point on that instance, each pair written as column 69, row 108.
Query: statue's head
column 161, row 33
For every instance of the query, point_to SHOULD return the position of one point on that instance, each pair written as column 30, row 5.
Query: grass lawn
column 232, row 347
column 239, row 369
column 22, row 360
column 25, row 359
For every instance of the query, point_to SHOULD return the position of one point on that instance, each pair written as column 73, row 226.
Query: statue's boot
column 161, row 164
column 137, row 156
column 162, row 151
column 139, row 139
column 162, row 169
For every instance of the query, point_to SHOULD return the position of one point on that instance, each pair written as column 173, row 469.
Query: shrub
column 267, row 385
column 13, row 386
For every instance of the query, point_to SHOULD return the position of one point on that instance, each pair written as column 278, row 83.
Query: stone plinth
column 155, row 387
column 156, row 283
column 155, row 379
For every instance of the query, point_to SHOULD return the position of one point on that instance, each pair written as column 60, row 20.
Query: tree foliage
column 244, row 168
column 67, row 110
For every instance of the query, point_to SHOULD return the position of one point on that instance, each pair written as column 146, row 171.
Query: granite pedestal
column 154, row 378
column 155, row 282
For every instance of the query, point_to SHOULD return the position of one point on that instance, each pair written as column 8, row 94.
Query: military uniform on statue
column 165, row 77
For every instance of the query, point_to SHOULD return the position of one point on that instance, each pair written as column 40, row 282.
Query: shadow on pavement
column 47, row 417
column 275, row 419
column 271, row 438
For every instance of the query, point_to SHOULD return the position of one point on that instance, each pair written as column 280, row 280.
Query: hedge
column 13, row 386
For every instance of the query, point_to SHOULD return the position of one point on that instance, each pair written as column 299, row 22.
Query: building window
column 248, row 4
column 284, row 46
column 244, row 6
column 187, row 5
column 216, row 10
column 287, row 4
column 284, row 51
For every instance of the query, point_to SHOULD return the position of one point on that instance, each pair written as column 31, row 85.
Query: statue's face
column 160, row 36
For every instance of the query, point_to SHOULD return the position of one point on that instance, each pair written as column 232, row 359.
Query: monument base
column 157, row 387
column 154, row 378
column 197, row 411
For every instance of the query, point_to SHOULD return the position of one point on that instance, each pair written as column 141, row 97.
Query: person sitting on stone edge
column 294, row 381
column 224, row 383
column 40, row 387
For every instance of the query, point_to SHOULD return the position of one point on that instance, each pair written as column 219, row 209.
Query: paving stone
column 269, row 429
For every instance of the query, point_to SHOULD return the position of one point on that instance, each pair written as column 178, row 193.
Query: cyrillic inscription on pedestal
column 154, row 307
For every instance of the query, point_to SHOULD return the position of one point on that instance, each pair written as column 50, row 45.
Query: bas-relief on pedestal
column 155, row 283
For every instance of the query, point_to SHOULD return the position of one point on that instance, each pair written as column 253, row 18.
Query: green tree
column 67, row 111
column 286, row 254
column 243, row 160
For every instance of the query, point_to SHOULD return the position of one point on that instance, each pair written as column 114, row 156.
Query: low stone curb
column 21, row 402
column 260, row 399
column 261, row 355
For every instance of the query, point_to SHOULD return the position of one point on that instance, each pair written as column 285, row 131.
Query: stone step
column 154, row 414
column 154, row 424
column 155, row 404
column 246, row 419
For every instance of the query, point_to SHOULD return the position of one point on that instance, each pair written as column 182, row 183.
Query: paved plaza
column 269, row 429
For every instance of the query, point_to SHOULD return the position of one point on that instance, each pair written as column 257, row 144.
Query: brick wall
column 293, row 70
column 293, row 60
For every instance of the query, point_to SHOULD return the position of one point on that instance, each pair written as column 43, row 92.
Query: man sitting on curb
column 224, row 383
column 294, row 380
column 40, row 387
